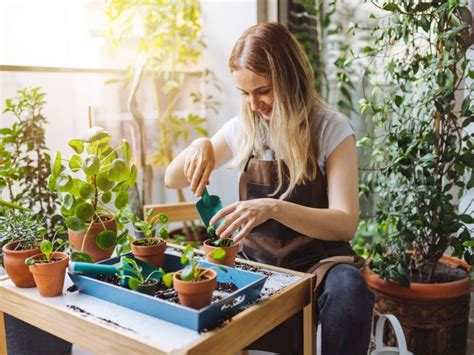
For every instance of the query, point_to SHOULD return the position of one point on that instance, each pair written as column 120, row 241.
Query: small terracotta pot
column 230, row 253
column 195, row 294
column 49, row 277
column 90, row 245
column 148, row 288
column 14, row 263
column 150, row 254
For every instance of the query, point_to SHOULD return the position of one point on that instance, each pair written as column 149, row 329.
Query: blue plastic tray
column 249, row 286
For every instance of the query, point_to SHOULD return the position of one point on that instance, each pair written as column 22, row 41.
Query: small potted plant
column 137, row 281
column 49, row 268
column 193, row 283
column 21, row 232
column 150, row 249
column 95, row 178
column 220, row 250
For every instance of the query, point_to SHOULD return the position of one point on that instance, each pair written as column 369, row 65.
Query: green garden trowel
column 93, row 270
column 207, row 206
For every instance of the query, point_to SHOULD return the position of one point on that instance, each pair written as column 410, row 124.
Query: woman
column 298, row 186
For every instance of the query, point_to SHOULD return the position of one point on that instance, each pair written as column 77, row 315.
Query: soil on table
column 169, row 294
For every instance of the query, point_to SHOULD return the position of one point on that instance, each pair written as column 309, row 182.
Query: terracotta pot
column 150, row 254
column 230, row 253
column 195, row 294
column 90, row 245
column 49, row 277
column 14, row 263
column 434, row 317
column 148, row 288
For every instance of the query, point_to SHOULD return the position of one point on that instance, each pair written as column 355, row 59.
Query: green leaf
column 77, row 145
column 133, row 283
column 391, row 7
column 106, row 197
column 119, row 171
column 468, row 219
column 106, row 239
column 121, row 200
column 163, row 233
column 56, row 166
column 52, row 182
column 68, row 200
column 94, row 134
column 423, row 6
column 218, row 254
column 187, row 274
column 84, row 211
column 126, row 151
column 91, row 165
column 86, row 190
column 469, row 243
column 168, row 279
column 46, row 247
column 103, row 183
column 81, row 256
column 163, row 218
column 64, row 183
column 75, row 163
column 133, row 176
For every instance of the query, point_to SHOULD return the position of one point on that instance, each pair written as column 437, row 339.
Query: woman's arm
column 193, row 165
column 338, row 222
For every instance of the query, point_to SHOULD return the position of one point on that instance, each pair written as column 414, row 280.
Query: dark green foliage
column 24, row 157
column 422, row 152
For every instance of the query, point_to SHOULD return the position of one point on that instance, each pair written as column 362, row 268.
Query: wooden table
column 137, row 333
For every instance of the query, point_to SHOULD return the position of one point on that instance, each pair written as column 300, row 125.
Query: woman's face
column 256, row 90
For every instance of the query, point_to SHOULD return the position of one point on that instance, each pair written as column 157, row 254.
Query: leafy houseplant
column 24, row 156
column 95, row 178
column 21, row 232
column 423, row 153
column 151, row 249
column 193, row 283
column 138, row 281
column 49, row 267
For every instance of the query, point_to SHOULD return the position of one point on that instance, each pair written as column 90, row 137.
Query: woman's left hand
column 243, row 214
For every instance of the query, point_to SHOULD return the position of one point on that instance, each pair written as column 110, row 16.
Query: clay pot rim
column 208, row 270
column 160, row 242
column 6, row 248
column 223, row 247
column 422, row 291
column 65, row 256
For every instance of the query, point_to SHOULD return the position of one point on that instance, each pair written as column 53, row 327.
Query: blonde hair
column 270, row 50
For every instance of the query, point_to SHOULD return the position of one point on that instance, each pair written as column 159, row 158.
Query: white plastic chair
column 380, row 348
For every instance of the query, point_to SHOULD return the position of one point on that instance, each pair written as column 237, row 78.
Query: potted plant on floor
column 220, row 251
column 150, row 249
column 193, row 283
column 137, row 281
column 49, row 268
column 93, row 193
column 423, row 153
column 21, row 232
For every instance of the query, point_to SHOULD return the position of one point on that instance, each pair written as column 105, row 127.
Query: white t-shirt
column 332, row 128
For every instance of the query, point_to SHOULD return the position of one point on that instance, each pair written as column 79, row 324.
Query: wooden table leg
column 3, row 337
column 308, row 331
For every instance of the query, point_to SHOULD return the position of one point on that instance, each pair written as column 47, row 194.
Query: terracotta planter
column 49, row 277
column 434, row 317
column 90, row 245
column 14, row 262
column 230, row 253
column 195, row 294
column 150, row 254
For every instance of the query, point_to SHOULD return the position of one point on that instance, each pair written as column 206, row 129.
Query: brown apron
column 275, row 244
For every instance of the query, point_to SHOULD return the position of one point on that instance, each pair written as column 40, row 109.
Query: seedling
column 138, row 282
column 148, row 228
column 47, row 249
column 193, row 271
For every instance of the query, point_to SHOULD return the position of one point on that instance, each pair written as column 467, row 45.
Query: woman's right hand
column 198, row 164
